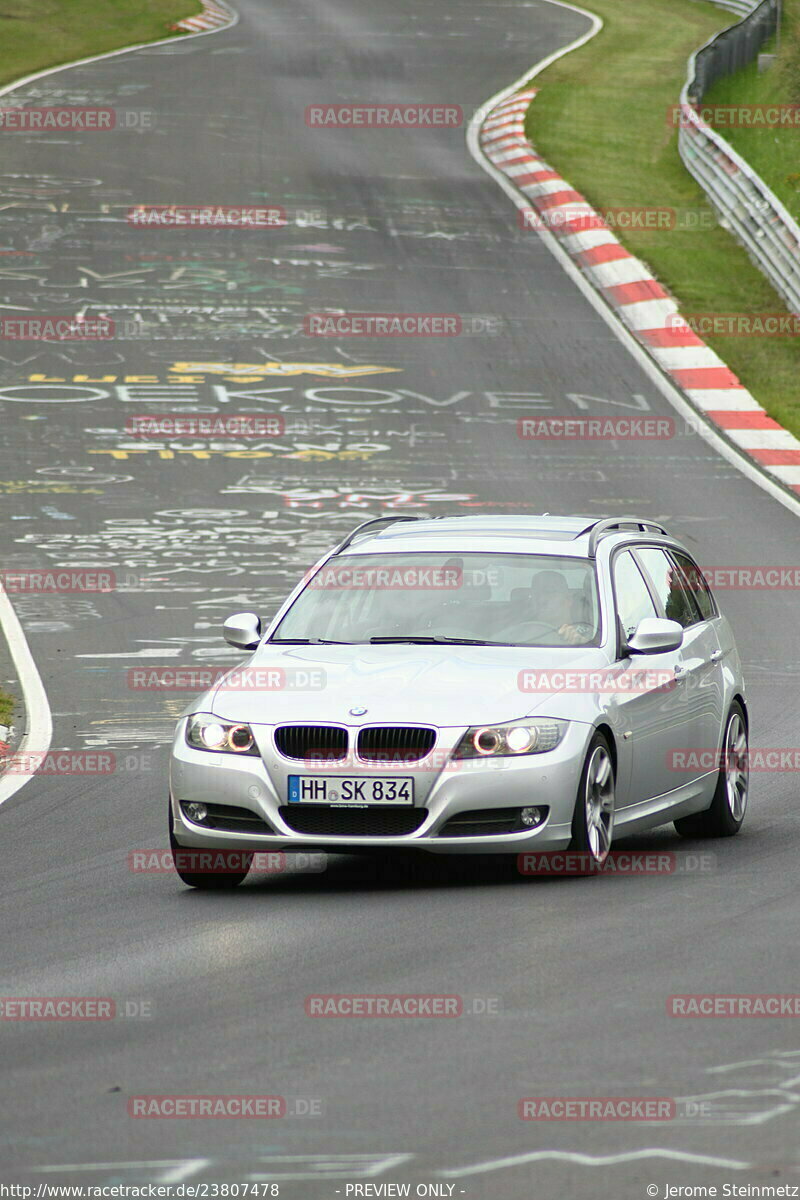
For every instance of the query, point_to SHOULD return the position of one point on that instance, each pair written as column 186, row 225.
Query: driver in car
column 552, row 601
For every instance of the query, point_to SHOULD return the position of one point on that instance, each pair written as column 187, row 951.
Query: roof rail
column 365, row 525
column 611, row 524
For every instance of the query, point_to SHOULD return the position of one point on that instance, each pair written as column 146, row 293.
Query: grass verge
column 774, row 153
column 602, row 120
column 35, row 34
column 6, row 708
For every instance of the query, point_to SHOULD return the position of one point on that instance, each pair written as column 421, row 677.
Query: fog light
column 531, row 816
column 199, row 812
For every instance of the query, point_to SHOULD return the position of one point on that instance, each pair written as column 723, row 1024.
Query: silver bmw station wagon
column 469, row 684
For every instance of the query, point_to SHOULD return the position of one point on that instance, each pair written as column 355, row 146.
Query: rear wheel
column 725, row 816
column 225, row 869
column 593, row 822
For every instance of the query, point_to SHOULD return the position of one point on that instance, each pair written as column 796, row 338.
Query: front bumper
column 549, row 779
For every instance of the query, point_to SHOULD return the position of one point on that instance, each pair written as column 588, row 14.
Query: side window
column 633, row 599
column 669, row 585
column 697, row 585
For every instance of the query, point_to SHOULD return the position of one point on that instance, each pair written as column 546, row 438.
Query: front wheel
column 224, row 869
column 725, row 816
column 593, row 822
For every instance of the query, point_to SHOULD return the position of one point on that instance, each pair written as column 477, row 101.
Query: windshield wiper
column 434, row 639
column 414, row 639
column 305, row 642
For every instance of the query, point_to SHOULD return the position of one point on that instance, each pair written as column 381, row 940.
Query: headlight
column 511, row 740
column 204, row 732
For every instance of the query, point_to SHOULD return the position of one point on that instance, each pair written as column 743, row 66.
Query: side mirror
column 655, row 636
column 242, row 630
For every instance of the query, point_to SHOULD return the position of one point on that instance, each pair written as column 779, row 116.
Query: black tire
column 208, row 881
column 588, row 839
column 727, row 812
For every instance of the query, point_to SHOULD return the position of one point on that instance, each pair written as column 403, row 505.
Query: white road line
column 708, row 432
column 110, row 1166
column 185, row 1170
column 39, row 732
column 293, row 1166
column 593, row 1160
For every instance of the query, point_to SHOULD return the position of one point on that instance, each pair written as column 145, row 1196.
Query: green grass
column 6, row 708
column 601, row 119
column 774, row 153
column 35, row 34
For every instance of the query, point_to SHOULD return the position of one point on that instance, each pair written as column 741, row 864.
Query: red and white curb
column 213, row 16
column 636, row 297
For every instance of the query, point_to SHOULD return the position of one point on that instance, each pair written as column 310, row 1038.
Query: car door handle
column 697, row 665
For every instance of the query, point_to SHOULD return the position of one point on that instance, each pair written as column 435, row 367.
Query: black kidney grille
column 331, row 821
column 319, row 743
column 390, row 743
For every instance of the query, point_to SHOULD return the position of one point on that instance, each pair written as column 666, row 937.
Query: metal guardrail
column 735, row 46
column 744, row 202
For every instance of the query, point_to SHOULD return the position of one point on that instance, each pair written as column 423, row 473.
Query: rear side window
column 634, row 602
column 695, row 581
column 669, row 585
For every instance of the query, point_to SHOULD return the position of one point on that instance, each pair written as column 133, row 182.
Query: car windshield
column 483, row 599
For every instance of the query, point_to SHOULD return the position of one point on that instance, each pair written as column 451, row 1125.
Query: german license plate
column 345, row 789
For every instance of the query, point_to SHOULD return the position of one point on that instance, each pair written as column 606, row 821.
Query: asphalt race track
column 574, row 974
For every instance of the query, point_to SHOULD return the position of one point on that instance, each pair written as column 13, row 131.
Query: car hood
column 437, row 685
